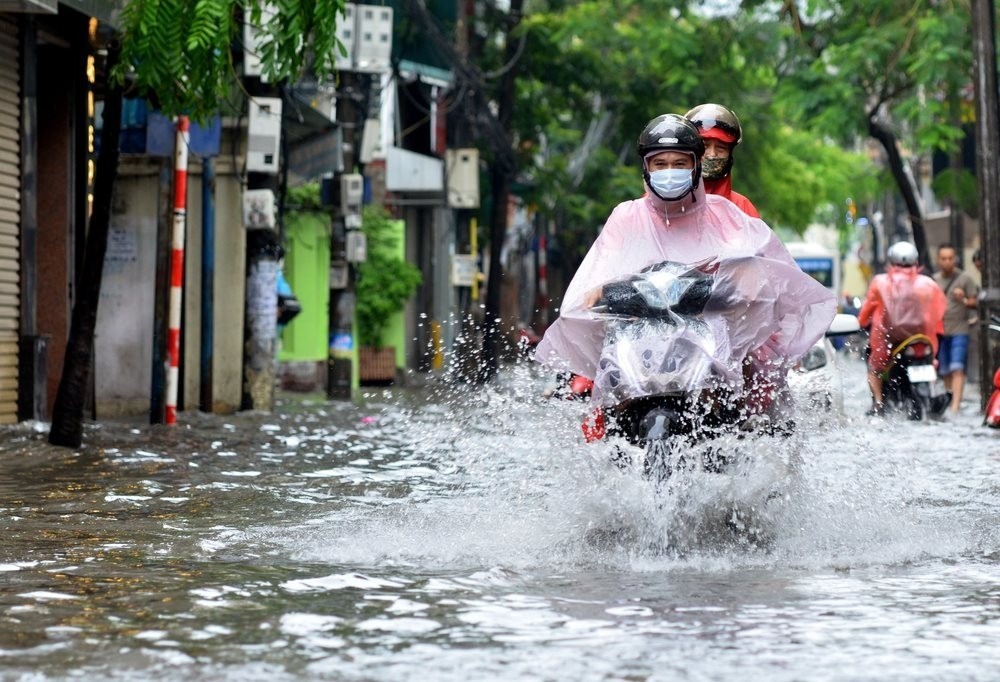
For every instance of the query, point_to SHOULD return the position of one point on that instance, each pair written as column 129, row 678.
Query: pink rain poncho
column 774, row 312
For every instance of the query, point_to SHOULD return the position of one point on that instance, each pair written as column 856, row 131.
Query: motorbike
column 669, row 373
column 992, row 416
column 910, row 383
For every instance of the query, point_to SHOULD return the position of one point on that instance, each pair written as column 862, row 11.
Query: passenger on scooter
column 677, row 221
column 899, row 303
column 720, row 128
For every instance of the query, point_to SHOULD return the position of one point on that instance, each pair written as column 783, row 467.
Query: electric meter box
column 258, row 209
column 371, row 141
column 346, row 35
column 462, row 170
column 352, row 191
column 356, row 247
column 373, row 38
column 264, row 135
column 252, row 39
column 251, row 43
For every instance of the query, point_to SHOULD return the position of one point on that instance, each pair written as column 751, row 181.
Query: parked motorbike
column 992, row 416
column 910, row 384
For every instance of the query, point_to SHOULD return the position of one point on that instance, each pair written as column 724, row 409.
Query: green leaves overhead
column 595, row 72
column 180, row 52
column 805, row 79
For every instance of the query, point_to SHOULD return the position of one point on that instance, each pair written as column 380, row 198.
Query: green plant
column 385, row 281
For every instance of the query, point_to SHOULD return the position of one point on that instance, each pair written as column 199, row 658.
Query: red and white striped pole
column 177, row 266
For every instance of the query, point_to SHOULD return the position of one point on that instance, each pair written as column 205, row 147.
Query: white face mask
column 671, row 183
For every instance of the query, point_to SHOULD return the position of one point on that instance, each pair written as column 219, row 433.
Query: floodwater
column 437, row 534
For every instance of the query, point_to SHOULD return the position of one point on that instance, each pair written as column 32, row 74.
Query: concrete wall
column 123, row 343
column 229, row 290
column 124, row 347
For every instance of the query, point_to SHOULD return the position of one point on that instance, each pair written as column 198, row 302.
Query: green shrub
column 384, row 281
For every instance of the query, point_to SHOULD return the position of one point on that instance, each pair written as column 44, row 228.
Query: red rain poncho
column 891, row 286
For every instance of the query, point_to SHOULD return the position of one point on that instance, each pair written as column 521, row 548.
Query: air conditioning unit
column 264, row 135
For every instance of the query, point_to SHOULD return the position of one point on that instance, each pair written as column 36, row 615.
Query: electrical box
column 346, row 35
column 373, row 38
column 462, row 171
column 259, row 209
column 356, row 247
column 338, row 274
column 252, row 38
column 463, row 269
column 264, row 135
column 371, row 141
column 352, row 190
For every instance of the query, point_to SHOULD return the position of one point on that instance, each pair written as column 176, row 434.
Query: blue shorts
column 953, row 354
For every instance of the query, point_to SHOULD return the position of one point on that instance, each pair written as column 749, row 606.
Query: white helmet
column 903, row 254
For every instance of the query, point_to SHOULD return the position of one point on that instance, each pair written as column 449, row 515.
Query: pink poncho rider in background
column 782, row 311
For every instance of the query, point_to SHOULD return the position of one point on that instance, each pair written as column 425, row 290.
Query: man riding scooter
column 901, row 303
column 721, row 132
column 677, row 221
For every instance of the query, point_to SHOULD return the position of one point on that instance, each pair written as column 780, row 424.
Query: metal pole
column 988, row 174
column 157, row 389
column 207, row 281
column 342, row 341
column 177, row 267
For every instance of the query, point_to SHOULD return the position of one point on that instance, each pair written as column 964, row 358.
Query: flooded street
column 439, row 535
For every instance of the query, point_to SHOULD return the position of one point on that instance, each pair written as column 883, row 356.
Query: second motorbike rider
column 901, row 291
column 677, row 221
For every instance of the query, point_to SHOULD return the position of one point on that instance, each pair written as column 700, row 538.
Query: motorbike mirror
column 843, row 324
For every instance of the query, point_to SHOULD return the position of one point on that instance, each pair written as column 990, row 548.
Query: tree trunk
column 905, row 183
column 490, row 361
column 988, row 174
column 504, row 167
column 67, row 413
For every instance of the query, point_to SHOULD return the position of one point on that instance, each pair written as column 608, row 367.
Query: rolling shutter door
column 10, row 218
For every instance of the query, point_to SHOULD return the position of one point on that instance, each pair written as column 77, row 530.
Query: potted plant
column 385, row 281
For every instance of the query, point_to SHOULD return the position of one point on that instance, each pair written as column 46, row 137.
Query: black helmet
column 671, row 133
column 717, row 122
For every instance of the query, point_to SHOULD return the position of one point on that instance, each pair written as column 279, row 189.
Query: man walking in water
column 959, row 318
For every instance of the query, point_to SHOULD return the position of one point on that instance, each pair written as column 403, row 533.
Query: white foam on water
column 500, row 477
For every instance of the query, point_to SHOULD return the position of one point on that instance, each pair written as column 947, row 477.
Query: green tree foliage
column 385, row 281
column 180, row 51
column 897, row 70
column 595, row 72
